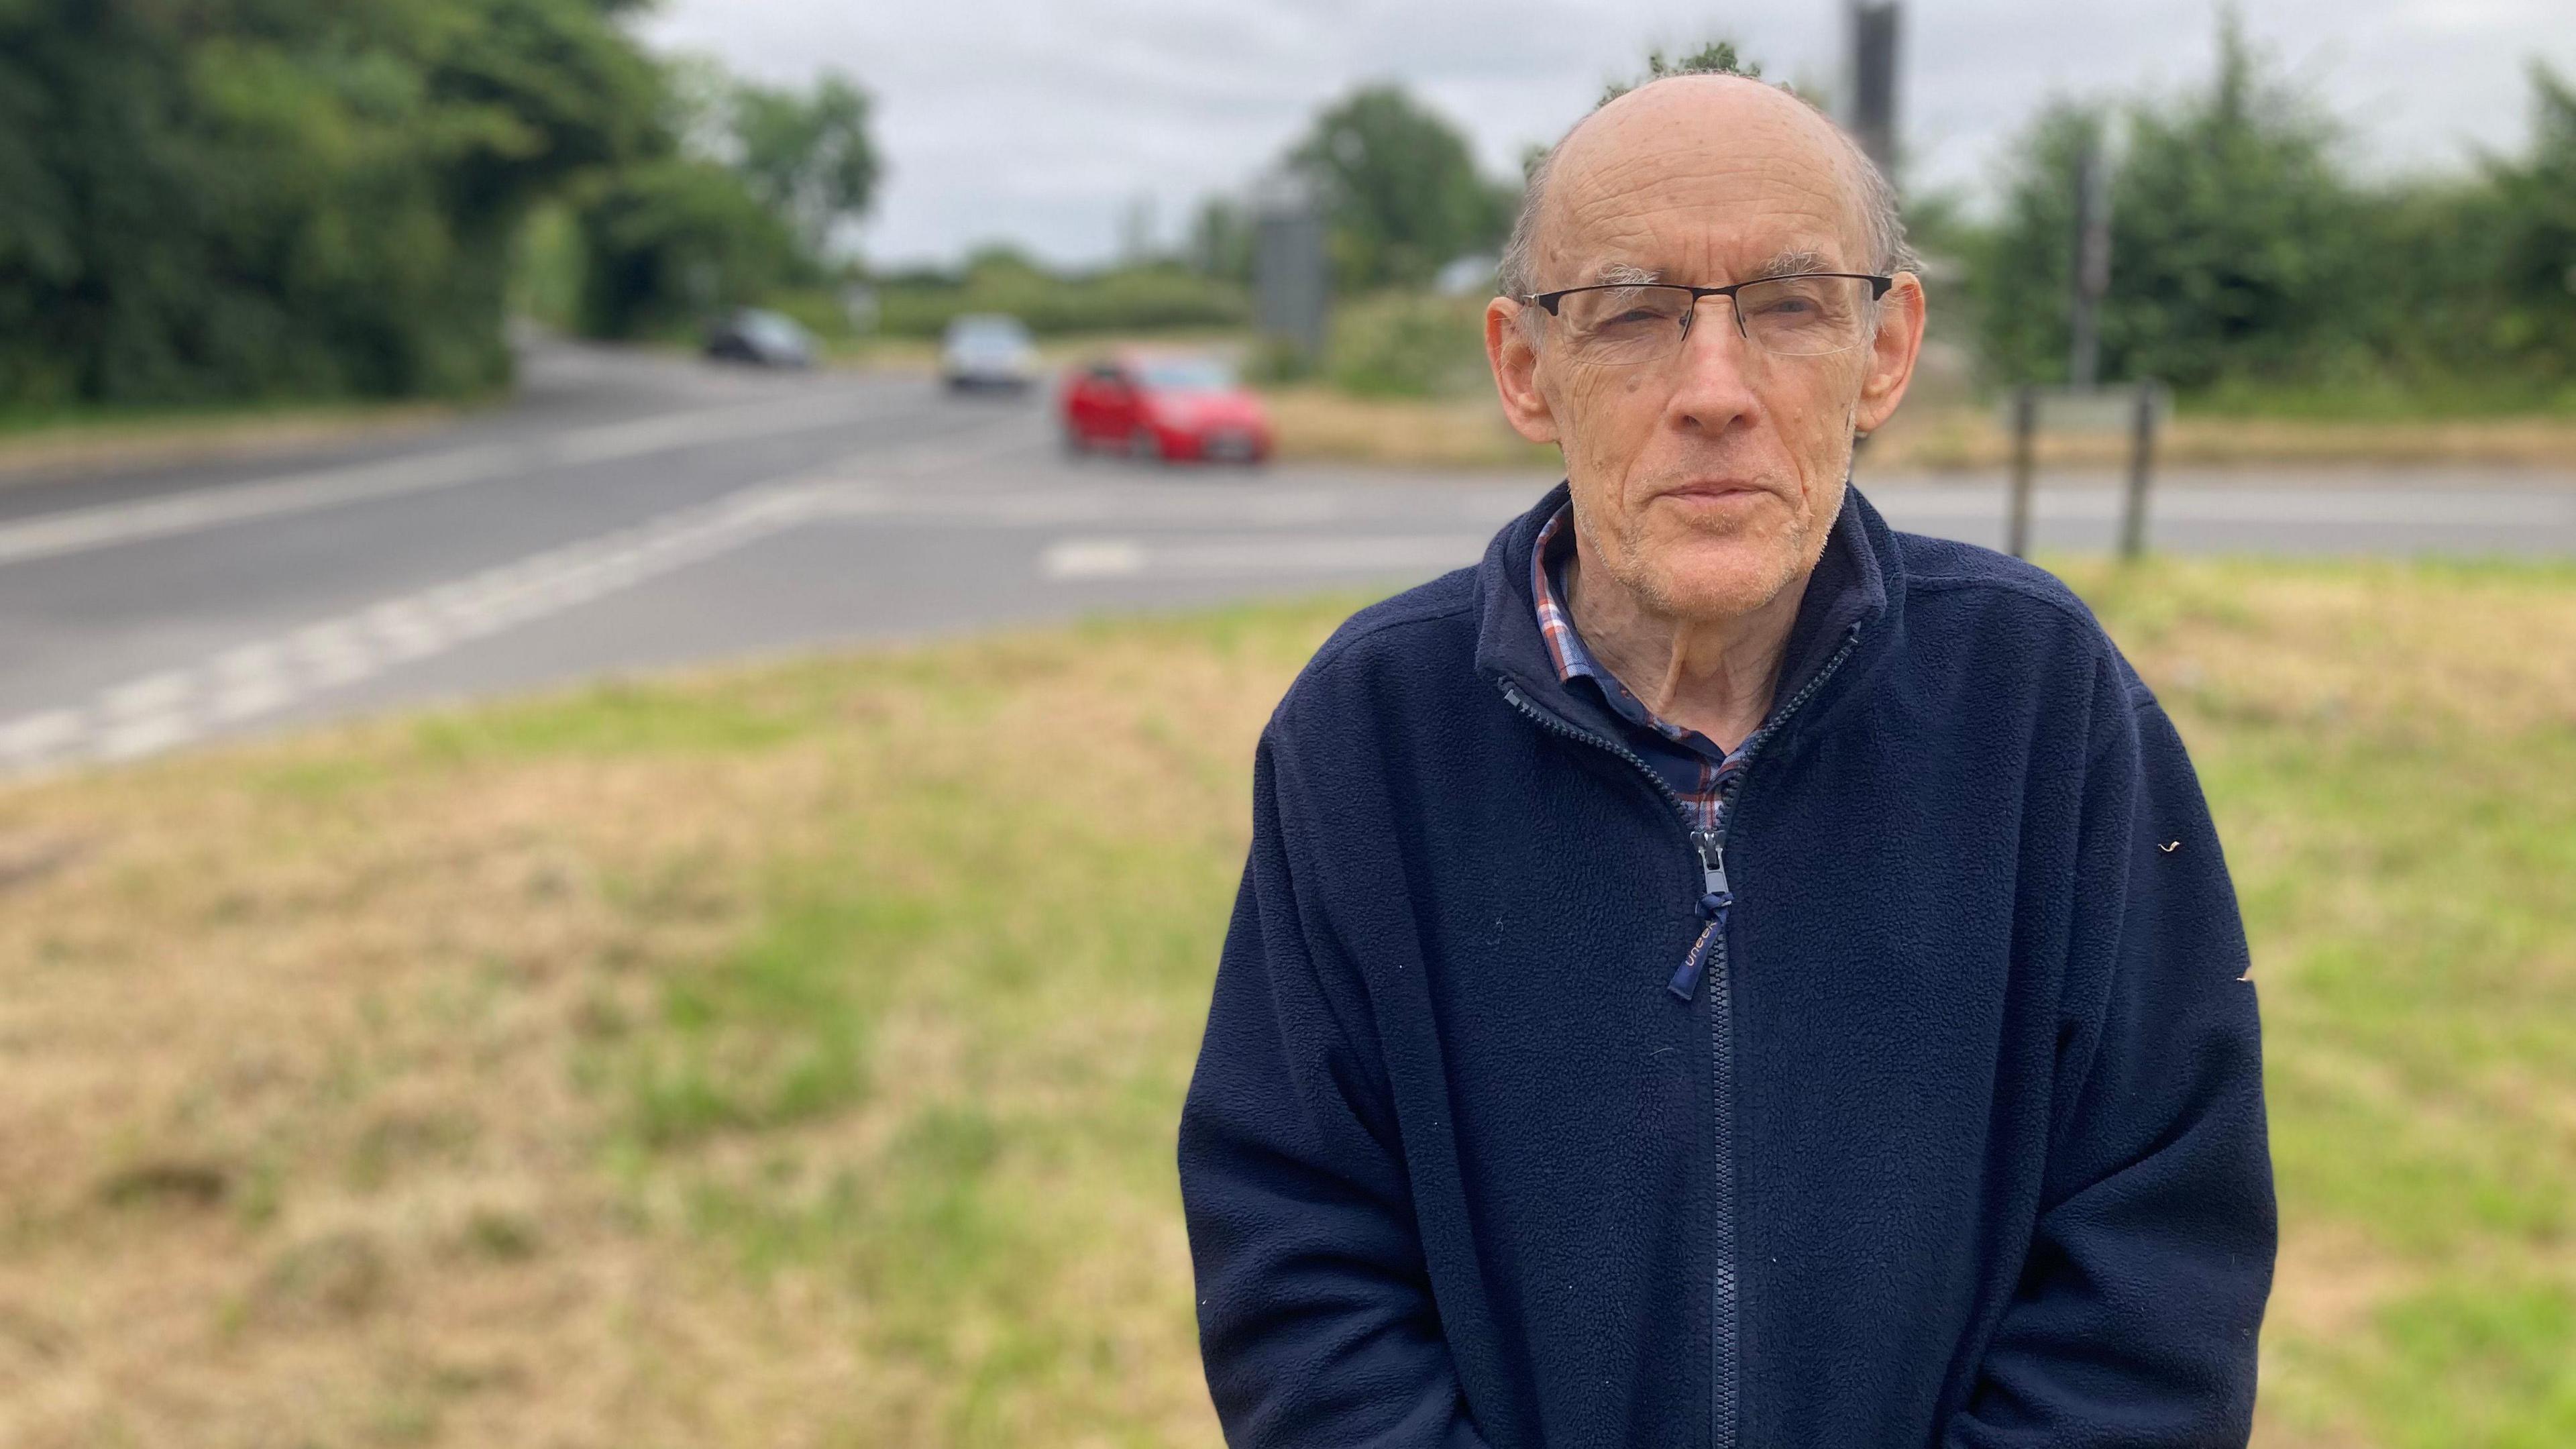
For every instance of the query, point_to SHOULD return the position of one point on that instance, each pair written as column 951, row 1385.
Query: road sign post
column 2092, row 272
column 2025, row 430
column 2142, row 456
column 1291, row 283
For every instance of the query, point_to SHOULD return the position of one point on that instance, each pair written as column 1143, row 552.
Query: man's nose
column 1716, row 369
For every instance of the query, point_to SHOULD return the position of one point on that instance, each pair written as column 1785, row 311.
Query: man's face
column 1704, row 482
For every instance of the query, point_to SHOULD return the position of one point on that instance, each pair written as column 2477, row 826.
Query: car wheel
column 1076, row 446
column 1144, row 447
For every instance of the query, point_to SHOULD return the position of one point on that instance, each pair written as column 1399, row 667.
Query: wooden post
column 2142, row 459
column 2024, row 460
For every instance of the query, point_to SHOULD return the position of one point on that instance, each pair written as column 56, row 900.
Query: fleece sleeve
column 2135, row 1316
column 1315, row 1313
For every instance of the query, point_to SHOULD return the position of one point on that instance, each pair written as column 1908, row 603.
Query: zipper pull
column 1713, row 902
column 1712, row 861
column 1685, row 982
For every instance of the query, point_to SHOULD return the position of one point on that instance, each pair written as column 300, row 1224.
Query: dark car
column 1165, row 407
column 764, row 339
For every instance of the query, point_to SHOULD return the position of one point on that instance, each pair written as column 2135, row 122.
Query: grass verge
column 1959, row 438
column 1323, row 424
column 790, row 1056
column 85, row 440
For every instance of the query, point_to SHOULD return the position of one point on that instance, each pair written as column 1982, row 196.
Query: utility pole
column 1871, row 113
column 2092, row 278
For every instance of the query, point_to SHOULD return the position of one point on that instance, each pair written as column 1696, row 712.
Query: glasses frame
column 1878, row 289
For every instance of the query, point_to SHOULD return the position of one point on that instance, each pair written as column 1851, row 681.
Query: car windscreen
column 771, row 330
column 987, row 332
column 1186, row 374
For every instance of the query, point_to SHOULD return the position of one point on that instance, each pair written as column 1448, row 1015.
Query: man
column 1721, row 972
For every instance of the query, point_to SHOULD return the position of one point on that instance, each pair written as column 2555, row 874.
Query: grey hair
column 1515, row 274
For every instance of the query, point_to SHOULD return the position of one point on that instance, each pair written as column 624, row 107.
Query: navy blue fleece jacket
column 1958, row 1140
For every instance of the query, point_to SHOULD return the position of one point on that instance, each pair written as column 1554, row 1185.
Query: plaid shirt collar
column 1697, row 767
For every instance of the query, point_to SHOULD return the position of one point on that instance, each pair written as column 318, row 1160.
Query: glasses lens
column 1805, row 316
column 1615, row 325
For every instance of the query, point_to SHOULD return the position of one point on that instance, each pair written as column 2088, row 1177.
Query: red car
column 1164, row 407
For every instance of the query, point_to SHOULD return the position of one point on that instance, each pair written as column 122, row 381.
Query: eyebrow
column 1781, row 264
column 1790, row 264
column 1623, row 274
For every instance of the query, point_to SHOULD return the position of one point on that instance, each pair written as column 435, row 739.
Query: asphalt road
column 631, row 513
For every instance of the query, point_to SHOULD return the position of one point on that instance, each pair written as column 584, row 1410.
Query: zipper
column 1714, row 898
column 1707, row 959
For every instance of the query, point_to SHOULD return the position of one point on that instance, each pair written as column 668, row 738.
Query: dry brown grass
column 315, row 1133
column 1963, row 438
column 1324, row 425
column 430, row 1083
column 2391, row 751
column 103, row 445
column 1320, row 424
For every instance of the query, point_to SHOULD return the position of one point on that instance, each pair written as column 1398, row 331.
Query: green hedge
column 1401, row 344
column 1137, row 299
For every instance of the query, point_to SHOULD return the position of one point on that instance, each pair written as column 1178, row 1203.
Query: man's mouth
column 1714, row 491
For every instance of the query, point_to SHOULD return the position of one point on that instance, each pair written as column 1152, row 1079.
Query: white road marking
column 82, row 529
column 1092, row 558
column 1074, row 559
column 148, row 695
column 1276, row 534
column 170, row 708
column 36, row 734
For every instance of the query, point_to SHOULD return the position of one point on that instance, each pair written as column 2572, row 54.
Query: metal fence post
column 2024, row 448
column 2142, row 457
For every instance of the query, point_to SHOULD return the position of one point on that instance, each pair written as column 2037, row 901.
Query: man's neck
column 1715, row 676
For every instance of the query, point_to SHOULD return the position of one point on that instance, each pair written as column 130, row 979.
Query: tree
column 2236, row 249
column 2020, row 273
column 2232, row 232
column 237, row 198
column 1400, row 188
column 670, row 243
column 808, row 157
column 2537, row 233
column 1715, row 57
column 1220, row 241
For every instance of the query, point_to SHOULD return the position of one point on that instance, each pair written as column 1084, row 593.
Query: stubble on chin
column 1679, row 572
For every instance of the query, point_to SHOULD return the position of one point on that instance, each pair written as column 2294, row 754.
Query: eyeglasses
column 1810, row 314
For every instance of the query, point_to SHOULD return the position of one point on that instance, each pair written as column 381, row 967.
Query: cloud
column 1041, row 121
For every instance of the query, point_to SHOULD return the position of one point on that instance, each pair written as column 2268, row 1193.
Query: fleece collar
column 1848, row 591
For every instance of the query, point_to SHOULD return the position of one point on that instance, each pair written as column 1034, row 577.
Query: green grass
column 2391, row 754
column 841, row 1011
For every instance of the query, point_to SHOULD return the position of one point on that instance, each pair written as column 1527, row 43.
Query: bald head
column 1662, row 144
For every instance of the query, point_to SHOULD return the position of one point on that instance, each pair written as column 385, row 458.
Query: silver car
column 987, row 350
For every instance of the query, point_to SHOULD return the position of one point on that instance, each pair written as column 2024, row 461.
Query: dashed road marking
column 170, row 708
column 1253, row 556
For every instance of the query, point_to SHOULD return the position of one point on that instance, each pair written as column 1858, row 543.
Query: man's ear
column 1891, row 354
column 1511, row 349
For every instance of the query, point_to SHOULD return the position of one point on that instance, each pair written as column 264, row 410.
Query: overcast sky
column 1043, row 121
